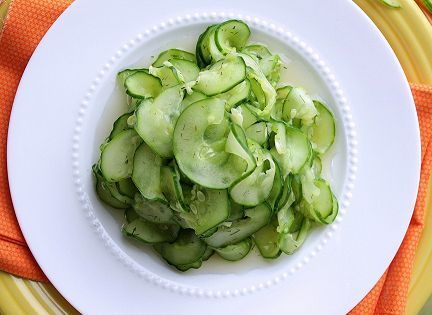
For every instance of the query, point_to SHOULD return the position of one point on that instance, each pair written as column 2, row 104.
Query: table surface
column 403, row 28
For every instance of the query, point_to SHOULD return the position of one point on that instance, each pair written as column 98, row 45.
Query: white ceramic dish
column 67, row 101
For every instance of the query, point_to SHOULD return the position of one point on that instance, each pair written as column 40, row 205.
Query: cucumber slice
column 142, row 85
column 297, row 152
column 173, row 53
column 264, row 88
column 186, row 70
column 276, row 112
column 324, row 206
column 130, row 215
column 221, row 77
column 237, row 144
column 267, row 240
column 172, row 189
column 296, row 188
column 255, row 218
column 257, row 91
column 285, row 218
column 243, row 115
column 207, row 254
column 104, row 188
column 155, row 120
column 237, row 212
column 256, row 187
column 146, row 172
column 289, row 242
column 155, row 211
column 186, row 249
column 190, row 99
column 194, row 265
column 276, row 191
column 167, row 74
column 236, row 95
column 258, row 51
column 123, row 75
column 236, row 251
column 201, row 62
column 117, row 156
column 323, row 130
column 283, row 92
column 270, row 67
column 209, row 208
column 298, row 220
column 298, row 104
column 258, row 133
column 199, row 157
column 121, row 124
column 127, row 188
column 286, row 192
column 280, row 137
column 232, row 35
column 317, row 166
column 209, row 51
column 149, row 232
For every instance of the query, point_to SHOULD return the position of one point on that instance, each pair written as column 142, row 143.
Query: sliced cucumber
column 172, row 189
column 265, row 88
column 209, row 51
column 232, row 35
column 255, row 218
column 221, row 77
column 236, row 251
column 173, row 53
column 104, row 188
column 117, row 156
column 121, row 124
column 323, row 207
column 123, row 75
column 280, row 136
column 149, row 232
column 200, row 158
column 270, row 67
column 258, row 51
column 209, row 208
column 186, row 70
column 146, row 172
column 286, row 192
column 130, row 215
column 156, row 120
column 167, row 74
column 256, row 187
column 283, row 92
column 236, row 95
column 201, row 61
column 289, row 242
column 194, row 265
column 156, row 211
column 237, row 211
column 249, row 116
column 237, row 144
column 267, row 240
column 186, row 249
column 323, row 130
column 276, row 191
column 207, row 254
column 297, row 152
column 258, row 133
column 127, row 188
column 298, row 104
column 190, row 99
column 317, row 166
column 142, row 85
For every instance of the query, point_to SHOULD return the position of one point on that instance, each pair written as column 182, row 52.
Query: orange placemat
column 27, row 23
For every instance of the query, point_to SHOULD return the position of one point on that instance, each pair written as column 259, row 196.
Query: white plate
column 67, row 101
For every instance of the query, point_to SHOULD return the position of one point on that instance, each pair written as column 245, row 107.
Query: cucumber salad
column 216, row 155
